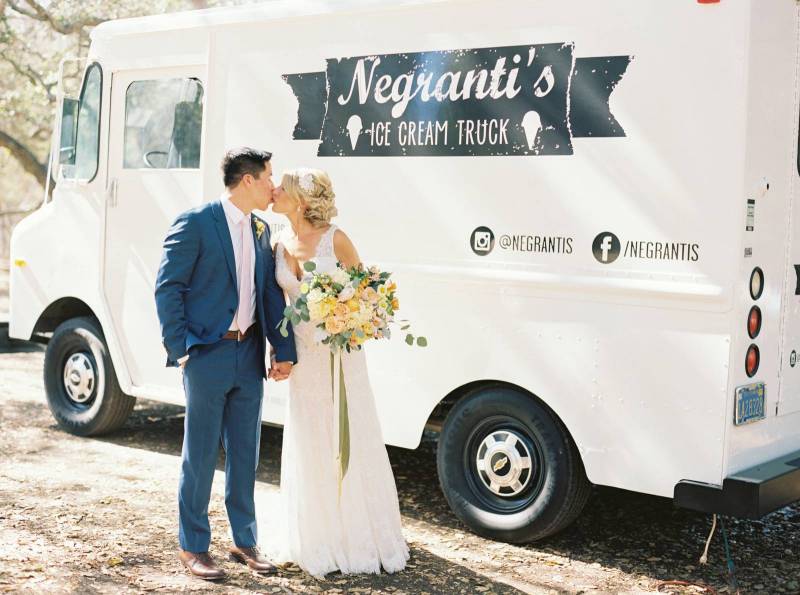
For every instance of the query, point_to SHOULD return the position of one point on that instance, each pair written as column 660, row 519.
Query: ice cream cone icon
column 354, row 127
column 531, row 124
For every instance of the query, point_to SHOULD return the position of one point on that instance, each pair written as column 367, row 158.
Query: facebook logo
column 606, row 247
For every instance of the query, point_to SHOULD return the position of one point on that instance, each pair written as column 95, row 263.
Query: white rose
column 347, row 293
column 340, row 276
column 314, row 296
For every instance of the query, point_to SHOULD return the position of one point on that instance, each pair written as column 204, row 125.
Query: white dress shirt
column 235, row 219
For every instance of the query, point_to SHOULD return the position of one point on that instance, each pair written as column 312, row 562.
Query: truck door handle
column 111, row 193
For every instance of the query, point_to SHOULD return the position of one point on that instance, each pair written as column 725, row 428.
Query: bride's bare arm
column 344, row 249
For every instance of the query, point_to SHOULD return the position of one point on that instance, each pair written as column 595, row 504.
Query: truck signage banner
column 500, row 101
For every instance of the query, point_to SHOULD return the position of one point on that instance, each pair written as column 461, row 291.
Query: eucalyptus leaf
column 410, row 339
column 309, row 266
column 422, row 341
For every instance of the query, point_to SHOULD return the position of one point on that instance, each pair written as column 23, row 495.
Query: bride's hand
column 280, row 370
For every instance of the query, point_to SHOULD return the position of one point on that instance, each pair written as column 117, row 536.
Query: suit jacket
column 196, row 288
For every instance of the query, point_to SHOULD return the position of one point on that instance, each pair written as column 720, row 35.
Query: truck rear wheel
column 508, row 467
column 81, row 385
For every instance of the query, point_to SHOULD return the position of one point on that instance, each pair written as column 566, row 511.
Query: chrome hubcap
column 504, row 463
column 79, row 377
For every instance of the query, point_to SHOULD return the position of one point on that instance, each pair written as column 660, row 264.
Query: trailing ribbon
column 341, row 421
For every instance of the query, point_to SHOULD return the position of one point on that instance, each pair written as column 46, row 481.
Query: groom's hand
column 280, row 370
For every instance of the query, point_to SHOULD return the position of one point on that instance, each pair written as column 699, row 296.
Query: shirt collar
column 232, row 212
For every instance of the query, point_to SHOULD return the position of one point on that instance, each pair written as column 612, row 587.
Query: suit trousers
column 224, row 391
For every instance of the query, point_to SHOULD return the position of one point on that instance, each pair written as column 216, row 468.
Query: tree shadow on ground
column 148, row 562
column 635, row 533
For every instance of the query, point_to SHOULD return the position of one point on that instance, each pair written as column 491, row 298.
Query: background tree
column 34, row 36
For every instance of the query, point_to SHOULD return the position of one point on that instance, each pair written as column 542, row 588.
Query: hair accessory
column 307, row 183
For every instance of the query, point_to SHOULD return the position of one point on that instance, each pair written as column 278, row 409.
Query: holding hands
column 279, row 370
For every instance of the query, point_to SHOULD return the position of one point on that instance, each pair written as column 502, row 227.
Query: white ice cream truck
column 590, row 208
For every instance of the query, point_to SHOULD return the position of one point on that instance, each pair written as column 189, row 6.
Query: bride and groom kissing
column 221, row 291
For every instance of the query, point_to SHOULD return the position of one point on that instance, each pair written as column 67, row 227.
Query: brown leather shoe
column 201, row 565
column 253, row 558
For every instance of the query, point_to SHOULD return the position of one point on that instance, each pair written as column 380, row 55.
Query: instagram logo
column 482, row 241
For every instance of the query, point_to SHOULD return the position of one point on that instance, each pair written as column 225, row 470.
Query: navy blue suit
column 196, row 299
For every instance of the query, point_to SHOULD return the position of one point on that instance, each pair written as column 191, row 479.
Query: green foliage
column 35, row 35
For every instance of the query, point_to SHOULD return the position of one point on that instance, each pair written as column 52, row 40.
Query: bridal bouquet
column 348, row 307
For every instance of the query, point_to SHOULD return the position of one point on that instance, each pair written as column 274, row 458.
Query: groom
column 217, row 301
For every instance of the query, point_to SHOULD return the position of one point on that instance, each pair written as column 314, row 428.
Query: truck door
column 154, row 174
column 790, row 328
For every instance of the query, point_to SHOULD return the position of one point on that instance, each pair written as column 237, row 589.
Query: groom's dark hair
column 241, row 161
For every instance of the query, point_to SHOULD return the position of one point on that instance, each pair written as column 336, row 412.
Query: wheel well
column 439, row 413
column 59, row 311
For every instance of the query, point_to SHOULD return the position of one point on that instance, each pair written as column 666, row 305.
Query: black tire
column 544, row 500
column 96, row 404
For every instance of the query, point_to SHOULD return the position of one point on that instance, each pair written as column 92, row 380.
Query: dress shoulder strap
column 326, row 242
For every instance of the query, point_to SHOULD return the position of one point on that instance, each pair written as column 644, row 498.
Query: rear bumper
column 750, row 493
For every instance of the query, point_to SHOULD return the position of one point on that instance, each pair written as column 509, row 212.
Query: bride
column 361, row 532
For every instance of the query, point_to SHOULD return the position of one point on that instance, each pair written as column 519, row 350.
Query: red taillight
column 754, row 322
column 752, row 360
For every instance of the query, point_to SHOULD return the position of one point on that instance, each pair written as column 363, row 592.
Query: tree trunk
column 25, row 157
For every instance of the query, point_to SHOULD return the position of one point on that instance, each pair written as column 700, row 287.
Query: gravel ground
column 98, row 515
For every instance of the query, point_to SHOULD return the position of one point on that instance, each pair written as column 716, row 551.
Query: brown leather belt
column 237, row 335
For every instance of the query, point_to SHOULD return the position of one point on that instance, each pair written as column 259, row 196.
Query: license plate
column 749, row 403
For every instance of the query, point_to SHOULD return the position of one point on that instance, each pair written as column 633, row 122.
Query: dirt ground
column 98, row 515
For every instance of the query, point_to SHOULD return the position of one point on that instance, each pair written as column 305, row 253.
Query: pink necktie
column 243, row 315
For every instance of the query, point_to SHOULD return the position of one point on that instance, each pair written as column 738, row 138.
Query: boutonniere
column 259, row 228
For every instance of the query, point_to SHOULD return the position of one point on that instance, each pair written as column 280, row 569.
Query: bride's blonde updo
column 313, row 188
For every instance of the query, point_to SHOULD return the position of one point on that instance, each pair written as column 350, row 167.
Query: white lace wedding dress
column 362, row 532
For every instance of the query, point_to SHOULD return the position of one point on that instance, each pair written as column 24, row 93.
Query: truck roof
column 266, row 11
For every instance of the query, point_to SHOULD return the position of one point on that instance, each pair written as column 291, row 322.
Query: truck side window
column 87, row 133
column 163, row 121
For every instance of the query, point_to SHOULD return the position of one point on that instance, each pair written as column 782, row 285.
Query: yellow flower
column 368, row 329
column 322, row 308
column 352, row 305
column 341, row 310
column 370, row 295
column 259, row 228
column 382, row 290
column 304, row 288
column 334, row 325
column 395, row 304
column 328, row 304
